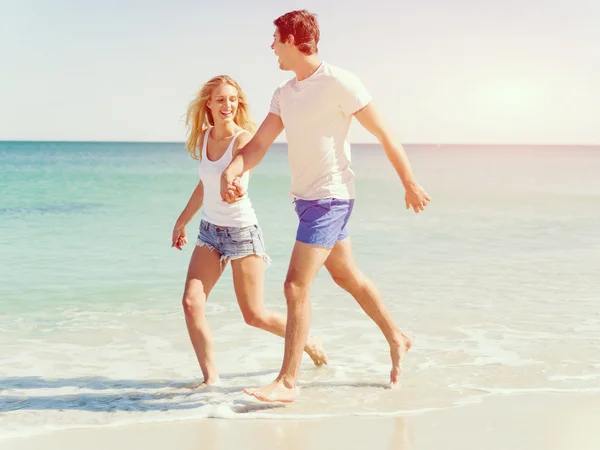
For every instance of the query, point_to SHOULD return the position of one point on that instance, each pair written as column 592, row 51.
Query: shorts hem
column 227, row 258
column 200, row 243
column 262, row 256
column 316, row 243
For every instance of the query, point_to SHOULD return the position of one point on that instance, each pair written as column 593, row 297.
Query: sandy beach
column 527, row 422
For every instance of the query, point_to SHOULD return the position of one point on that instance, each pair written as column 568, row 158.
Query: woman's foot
column 315, row 350
column 397, row 351
column 207, row 382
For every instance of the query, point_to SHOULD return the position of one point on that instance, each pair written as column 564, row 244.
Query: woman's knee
column 254, row 318
column 193, row 303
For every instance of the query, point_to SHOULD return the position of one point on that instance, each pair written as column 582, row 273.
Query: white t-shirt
column 316, row 113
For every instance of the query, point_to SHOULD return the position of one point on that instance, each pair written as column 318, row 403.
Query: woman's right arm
column 193, row 206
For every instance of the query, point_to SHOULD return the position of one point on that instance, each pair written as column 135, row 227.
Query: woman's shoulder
column 243, row 138
column 201, row 141
column 203, row 134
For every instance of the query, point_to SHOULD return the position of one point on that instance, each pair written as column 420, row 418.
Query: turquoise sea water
column 497, row 280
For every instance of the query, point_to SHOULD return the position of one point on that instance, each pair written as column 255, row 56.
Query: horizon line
column 438, row 144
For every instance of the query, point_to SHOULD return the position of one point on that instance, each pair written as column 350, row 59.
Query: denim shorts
column 323, row 222
column 233, row 242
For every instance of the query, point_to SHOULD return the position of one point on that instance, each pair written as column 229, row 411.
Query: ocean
column 497, row 282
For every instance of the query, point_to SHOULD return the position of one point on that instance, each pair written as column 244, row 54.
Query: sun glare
column 513, row 97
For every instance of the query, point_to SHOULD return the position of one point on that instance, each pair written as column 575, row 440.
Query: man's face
column 282, row 51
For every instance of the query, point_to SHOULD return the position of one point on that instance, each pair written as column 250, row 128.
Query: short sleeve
column 353, row 95
column 275, row 108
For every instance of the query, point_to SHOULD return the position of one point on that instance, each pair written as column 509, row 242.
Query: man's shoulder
column 338, row 73
column 285, row 84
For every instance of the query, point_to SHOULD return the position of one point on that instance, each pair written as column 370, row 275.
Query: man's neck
column 307, row 66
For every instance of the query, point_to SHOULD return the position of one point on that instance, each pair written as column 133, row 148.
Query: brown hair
column 303, row 26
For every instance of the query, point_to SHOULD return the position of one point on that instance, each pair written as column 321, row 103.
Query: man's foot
column 397, row 353
column 205, row 383
column 274, row 392
column 314, row 349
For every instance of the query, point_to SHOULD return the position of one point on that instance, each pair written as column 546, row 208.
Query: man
column 315, row 108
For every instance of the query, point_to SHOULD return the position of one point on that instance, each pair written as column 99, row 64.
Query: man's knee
column 295, row 290
column 347, row 278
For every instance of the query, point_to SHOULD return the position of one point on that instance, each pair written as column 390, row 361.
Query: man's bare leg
column 305, row 263
column 248, row 282
column 344, row 271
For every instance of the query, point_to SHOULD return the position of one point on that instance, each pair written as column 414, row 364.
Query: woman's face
column 223, row 103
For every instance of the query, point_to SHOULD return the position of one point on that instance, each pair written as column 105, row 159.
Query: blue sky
column 463, row 71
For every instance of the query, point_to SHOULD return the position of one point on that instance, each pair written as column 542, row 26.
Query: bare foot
column 274, row 392
column 314, row 349
column 205, row 383
column 397, row 353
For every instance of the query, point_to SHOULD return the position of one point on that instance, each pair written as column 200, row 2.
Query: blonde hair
column 200, row 118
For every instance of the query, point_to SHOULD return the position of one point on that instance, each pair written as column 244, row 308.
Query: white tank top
column 215, row 211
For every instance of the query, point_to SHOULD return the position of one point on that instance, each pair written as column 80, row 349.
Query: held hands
column 417, row 198
column 231, row 191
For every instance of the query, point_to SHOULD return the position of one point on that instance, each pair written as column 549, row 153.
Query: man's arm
column 372, row 121
column 252, row 153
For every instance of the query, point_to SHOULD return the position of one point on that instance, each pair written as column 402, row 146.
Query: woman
column 219, row 125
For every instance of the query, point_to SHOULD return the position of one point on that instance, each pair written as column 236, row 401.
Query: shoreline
column 524, row 421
